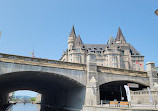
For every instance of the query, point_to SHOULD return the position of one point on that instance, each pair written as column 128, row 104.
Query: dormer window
column 98, row 52
column 93, row 51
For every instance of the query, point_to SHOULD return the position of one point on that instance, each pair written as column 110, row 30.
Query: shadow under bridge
column 115, row 90
column 57, row 91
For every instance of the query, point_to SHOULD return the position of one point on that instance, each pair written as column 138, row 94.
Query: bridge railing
column 47, row 62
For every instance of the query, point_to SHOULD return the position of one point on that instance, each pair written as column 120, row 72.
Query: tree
column 33, row 99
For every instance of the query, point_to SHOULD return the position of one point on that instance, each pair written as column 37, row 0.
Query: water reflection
column 31, row 107
column 25, row 107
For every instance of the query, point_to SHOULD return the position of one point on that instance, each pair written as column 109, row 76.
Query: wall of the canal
column 101, row 108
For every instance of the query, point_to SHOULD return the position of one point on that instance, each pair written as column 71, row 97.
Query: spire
column 78, row 40
column 120, row 35
column 111, row 39
column 72, row 32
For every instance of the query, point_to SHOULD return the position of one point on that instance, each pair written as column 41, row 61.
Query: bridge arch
column 57, row 90
column 107, row 77
column 115, row 89
column 77, row 75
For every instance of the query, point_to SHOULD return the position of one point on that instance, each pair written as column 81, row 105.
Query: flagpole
column 33, row 53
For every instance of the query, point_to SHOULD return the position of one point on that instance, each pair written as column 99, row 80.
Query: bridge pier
column 4, row 99
column 92, row 88
column 152, row 74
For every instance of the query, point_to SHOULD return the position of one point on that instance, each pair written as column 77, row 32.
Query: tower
column 71, row 43
column 71, row 39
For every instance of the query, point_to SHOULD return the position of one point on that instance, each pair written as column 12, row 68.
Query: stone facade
column 144, row 96
column 116, row 53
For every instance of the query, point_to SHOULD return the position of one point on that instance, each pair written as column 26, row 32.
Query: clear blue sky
column 46, row 24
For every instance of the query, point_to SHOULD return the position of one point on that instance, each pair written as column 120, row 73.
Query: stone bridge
column 63, row 84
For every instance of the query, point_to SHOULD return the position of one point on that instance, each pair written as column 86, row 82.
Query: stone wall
column 143, row 97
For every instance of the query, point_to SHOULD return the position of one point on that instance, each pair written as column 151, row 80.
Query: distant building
column 116, row 53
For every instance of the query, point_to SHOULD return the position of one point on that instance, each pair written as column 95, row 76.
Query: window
column 122, row 52
column 77, row 49
column 98, row 52
column 93, row 51
column 78, row 58
column 95, row 48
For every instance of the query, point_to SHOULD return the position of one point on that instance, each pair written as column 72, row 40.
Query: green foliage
column 33, row 99
column 13, row 99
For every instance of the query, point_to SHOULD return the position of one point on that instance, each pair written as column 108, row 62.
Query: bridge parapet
column 67, row 65
column 121, row 71
column 40, row 62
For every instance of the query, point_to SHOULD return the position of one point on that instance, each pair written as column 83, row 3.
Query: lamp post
column 156, row 12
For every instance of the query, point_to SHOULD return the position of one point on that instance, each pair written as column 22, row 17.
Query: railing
column 143, row 92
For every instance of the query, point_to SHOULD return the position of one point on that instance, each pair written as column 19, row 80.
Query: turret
column 120, row 38
column 78, row 41
column 72, row 38
column 111, row 39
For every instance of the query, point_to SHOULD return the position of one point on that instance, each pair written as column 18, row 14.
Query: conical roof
column 72, row 32
column 111, row 39
column 119, row 35
column 78, row 40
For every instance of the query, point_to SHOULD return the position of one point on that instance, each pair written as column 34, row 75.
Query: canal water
column 31, row 107
column 25, row 107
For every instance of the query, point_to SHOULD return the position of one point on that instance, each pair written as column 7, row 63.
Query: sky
column 45, row 25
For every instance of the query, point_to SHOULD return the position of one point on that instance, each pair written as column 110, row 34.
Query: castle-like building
column 116, row 53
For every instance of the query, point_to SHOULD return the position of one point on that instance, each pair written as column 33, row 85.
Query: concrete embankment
column 106, row 108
